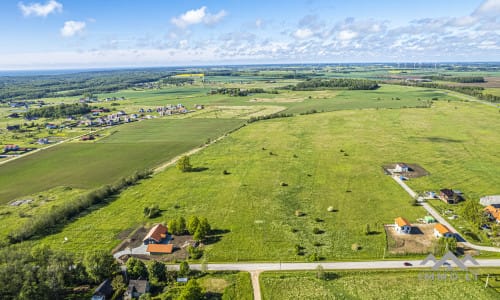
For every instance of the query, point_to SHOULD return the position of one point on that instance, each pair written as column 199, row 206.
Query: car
column 408, row 264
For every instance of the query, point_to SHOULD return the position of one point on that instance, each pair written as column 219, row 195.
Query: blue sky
column 55, row 34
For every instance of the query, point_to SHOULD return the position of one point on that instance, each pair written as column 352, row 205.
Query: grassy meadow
column 370, row 285
column 256, row 214
column 131, row 147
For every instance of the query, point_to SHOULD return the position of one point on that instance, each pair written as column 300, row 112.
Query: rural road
column 442, row 220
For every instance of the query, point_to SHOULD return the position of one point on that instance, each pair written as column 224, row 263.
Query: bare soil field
column 420, row 239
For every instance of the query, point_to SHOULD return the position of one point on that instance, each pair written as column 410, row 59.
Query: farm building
column 490, row 200
column 450, row 196
column 402, row 225
column 136, row 288
column 158, row 249
column 401, row 168
column 155, row 235
column 442, row 231
column 493, row 212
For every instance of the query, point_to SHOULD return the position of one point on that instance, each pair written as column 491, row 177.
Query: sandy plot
column 419, row 241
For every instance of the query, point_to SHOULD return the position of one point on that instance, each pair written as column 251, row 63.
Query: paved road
column 442, row 220
column 141, row 250
column 254, row 275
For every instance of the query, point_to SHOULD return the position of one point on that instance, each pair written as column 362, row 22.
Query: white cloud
column 196, row 16
column 258, row 23
column 346, row 35
column 303, row 33
column 72, row 27
column 40, row 10
column 488, row 7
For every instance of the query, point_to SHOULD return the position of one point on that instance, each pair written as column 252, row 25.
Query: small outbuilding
column 429, row 219
column 490, row 200
column 450, row 196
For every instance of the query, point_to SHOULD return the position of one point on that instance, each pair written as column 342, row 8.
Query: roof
column 488, row 200
column 441, row 228
column 494, row 211
column 141, row 286
column 104, row 288
column 156, row 233
column 160, row 248
column 402, row 222
column 447, row 192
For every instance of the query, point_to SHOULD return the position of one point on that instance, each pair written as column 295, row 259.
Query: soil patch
column 414, row 170
column 419, row 241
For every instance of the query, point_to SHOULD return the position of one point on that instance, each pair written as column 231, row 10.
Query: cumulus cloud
column 488, row 7
column 258, row 23
column 303, row 33
column 346, row 35
column 197, row 16
column 71, row 28
column 40, row 10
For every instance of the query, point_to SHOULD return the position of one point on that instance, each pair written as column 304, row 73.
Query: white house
column 401, row 168
column 402, row 225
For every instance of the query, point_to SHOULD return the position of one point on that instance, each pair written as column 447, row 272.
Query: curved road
column 441, row 220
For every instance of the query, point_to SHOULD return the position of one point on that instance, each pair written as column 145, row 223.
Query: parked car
column 408, row 264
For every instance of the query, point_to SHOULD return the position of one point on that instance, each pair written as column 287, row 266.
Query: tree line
column 241, row 92
column 460, row 79
column 58, row 111
column 334, row 83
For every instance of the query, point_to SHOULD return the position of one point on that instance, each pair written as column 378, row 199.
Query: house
column 402, row 225
column 155, row 235
column 136, row 288
column 199, row 106
column 401, row 168
column 159, row 249
column 490, row 200
column 450, row 196
column 442, row 231
column 493, row 212
column 13, row 127
column 43, row 141
column 103, row 291
column 10, row 147
column 50, row 126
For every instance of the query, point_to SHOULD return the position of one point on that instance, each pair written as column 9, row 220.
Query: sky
column 63, row 34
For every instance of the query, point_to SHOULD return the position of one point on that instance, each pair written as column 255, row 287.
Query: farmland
column 369, row 285
column 127, row 148
column 330, row 159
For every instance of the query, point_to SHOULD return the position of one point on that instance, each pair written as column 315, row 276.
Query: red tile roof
column 160, row 248
column 157, row 233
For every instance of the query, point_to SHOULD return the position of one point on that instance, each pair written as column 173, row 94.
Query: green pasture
column 372, row 285
column 131, row 147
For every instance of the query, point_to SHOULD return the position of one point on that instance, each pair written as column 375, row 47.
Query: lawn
column 370, row 285
column 130, row 147
column 256, row 214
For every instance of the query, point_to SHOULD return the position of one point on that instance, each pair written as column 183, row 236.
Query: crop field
column 131, row 147
column 256, row 214
column 370, row 285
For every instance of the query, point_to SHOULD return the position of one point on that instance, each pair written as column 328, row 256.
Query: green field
column 370, row 285
column 130, row 147
column 257, row 213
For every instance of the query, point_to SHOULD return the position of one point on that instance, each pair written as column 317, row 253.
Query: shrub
column 284, row 184
column 314, row 257
column 316, row 230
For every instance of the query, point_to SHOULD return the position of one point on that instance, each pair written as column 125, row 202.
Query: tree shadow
column 199, row 169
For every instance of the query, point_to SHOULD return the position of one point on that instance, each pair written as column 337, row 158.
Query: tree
column 473, row 212
column 194, row 252
column 99, row 264
column 183, row 164
column 184, row 268
column 192, row 291
column 157, row 271
column 173, row 226
column 118, row 285
column 443, row 245
column 136, row 268
column 320, row 272
column 181, row 225
column 192, row 224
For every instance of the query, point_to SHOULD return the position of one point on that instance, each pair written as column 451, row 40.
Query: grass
column 232, row 285
column 370, row 285
column 131, row 147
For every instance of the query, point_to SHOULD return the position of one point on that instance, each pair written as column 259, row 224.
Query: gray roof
column 141, row 286
column 489, row 200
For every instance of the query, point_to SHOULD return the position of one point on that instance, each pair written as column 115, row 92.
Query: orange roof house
column 160, row 248
column 156, row 234
column 442, row 231
column 402, row 225
column 493, row 213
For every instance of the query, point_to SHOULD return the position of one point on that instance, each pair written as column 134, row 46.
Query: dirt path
column 255, row 284
column 190, row 152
